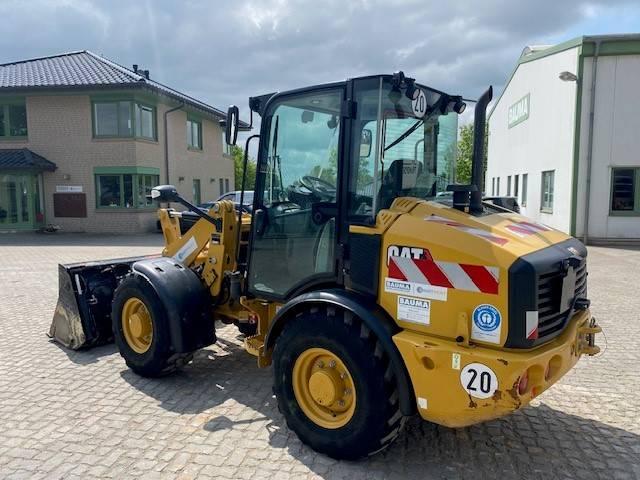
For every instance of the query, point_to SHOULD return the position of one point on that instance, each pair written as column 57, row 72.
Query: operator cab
column 334, row 155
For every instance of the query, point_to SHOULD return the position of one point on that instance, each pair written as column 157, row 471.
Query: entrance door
column 17, row 192
column 294, row 225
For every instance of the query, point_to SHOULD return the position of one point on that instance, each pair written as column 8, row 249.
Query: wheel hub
column 324, row 388
column 137, row 325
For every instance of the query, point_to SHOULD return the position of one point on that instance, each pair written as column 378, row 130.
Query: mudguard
column 371, row 314
column 186, row 301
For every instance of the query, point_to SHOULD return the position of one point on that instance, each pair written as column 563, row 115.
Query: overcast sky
column 223, row 52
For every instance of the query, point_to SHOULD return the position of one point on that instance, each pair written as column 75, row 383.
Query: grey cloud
column 223, row 52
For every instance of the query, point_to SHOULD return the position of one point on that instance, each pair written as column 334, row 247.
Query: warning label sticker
column 486, row 324
column 414, row 310
column 187, row 249
column 423, row 290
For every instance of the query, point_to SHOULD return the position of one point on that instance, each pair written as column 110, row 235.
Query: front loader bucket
column 83, row 314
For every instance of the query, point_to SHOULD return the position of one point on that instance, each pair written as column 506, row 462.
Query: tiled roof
column 84, row 69
column 23, row 158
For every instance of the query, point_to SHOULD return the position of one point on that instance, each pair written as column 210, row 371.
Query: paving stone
column 85, row 415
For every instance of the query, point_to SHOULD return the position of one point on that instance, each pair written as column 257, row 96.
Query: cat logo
column 406, row 252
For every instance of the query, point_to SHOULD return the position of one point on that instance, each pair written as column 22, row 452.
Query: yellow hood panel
column 510, row 233
column 461, row 244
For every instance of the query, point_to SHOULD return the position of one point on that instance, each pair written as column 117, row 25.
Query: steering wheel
column 318, row 186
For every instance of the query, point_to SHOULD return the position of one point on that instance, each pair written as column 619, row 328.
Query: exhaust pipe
column 477, row 162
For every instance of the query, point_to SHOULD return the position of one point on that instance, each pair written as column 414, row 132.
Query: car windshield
column 248, row 198
column 401, row 146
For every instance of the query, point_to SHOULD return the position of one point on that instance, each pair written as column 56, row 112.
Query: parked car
column 510, row 203
column 235, row 198
column 189, row 218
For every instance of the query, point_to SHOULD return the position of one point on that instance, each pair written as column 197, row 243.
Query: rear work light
column 523, row 384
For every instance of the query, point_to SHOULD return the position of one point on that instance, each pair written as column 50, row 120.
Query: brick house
column 83, row 140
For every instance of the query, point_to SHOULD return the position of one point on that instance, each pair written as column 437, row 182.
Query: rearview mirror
column 231, row 127
column 164, row 193
column 365, row 142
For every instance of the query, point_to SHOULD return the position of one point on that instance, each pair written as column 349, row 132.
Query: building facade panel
column 531, row 131
column 82, row 143
column 616, row 144
column 207, row 165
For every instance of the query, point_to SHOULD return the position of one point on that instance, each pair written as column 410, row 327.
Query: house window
column 546, row 205
column 625, row 194
column 194, row 134
column 509, row 186
column 221, row 184
column 498, row 186
column 125, row 190
column 226, row 184
column 145, row 184
column 525, row 177
column 493, row 186
column 516, row 186
column 197, row 198
column 13, row 120
column 145, row 122
column 124, row 119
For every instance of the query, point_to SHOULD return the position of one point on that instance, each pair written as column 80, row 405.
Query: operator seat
column 395, row 184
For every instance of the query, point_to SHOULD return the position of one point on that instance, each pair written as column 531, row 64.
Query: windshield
column 401, row 147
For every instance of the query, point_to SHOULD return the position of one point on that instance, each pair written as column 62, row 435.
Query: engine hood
column 503, row 235
column 458, row 263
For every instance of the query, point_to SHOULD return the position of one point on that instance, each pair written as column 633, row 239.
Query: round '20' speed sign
column 419, row 104
column 478, row 380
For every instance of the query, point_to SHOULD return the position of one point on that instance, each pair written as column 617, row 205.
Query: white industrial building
column 564, row 137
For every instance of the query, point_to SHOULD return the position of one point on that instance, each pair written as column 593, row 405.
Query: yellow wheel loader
column 374, row 286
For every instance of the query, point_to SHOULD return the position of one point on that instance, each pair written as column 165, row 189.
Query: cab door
column 294, row 233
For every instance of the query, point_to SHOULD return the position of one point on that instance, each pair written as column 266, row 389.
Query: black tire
column 158, row 360
column 376, row 420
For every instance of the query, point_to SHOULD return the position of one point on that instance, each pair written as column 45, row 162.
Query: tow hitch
column 588, row 333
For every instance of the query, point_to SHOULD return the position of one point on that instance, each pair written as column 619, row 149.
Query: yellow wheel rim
column 324, row 388
column 137, row 325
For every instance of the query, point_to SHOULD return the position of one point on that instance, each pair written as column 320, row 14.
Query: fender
column 376, row 319
column 185, row 299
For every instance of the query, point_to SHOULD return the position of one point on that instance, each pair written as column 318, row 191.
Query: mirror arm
column 196, row 210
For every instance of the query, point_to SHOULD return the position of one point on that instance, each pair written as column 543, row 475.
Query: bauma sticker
column 486, row 324
column 478, row 380
column 414, row 310
column 421, row 290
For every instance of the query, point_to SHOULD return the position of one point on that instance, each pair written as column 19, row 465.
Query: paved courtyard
column 83, row 415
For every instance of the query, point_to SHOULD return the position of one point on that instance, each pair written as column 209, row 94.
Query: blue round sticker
column 486, row 317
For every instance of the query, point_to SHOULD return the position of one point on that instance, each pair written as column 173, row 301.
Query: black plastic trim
column 523, row 288
column 364, row 264
column 371, row 314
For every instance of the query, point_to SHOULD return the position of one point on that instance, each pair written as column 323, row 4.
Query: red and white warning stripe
column 531, row 323
column 474, row 278
column 473, row 231
column 524, row 229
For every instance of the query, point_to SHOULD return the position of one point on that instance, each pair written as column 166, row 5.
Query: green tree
column 330, row 171
column 238, row 160
column 465, row 154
